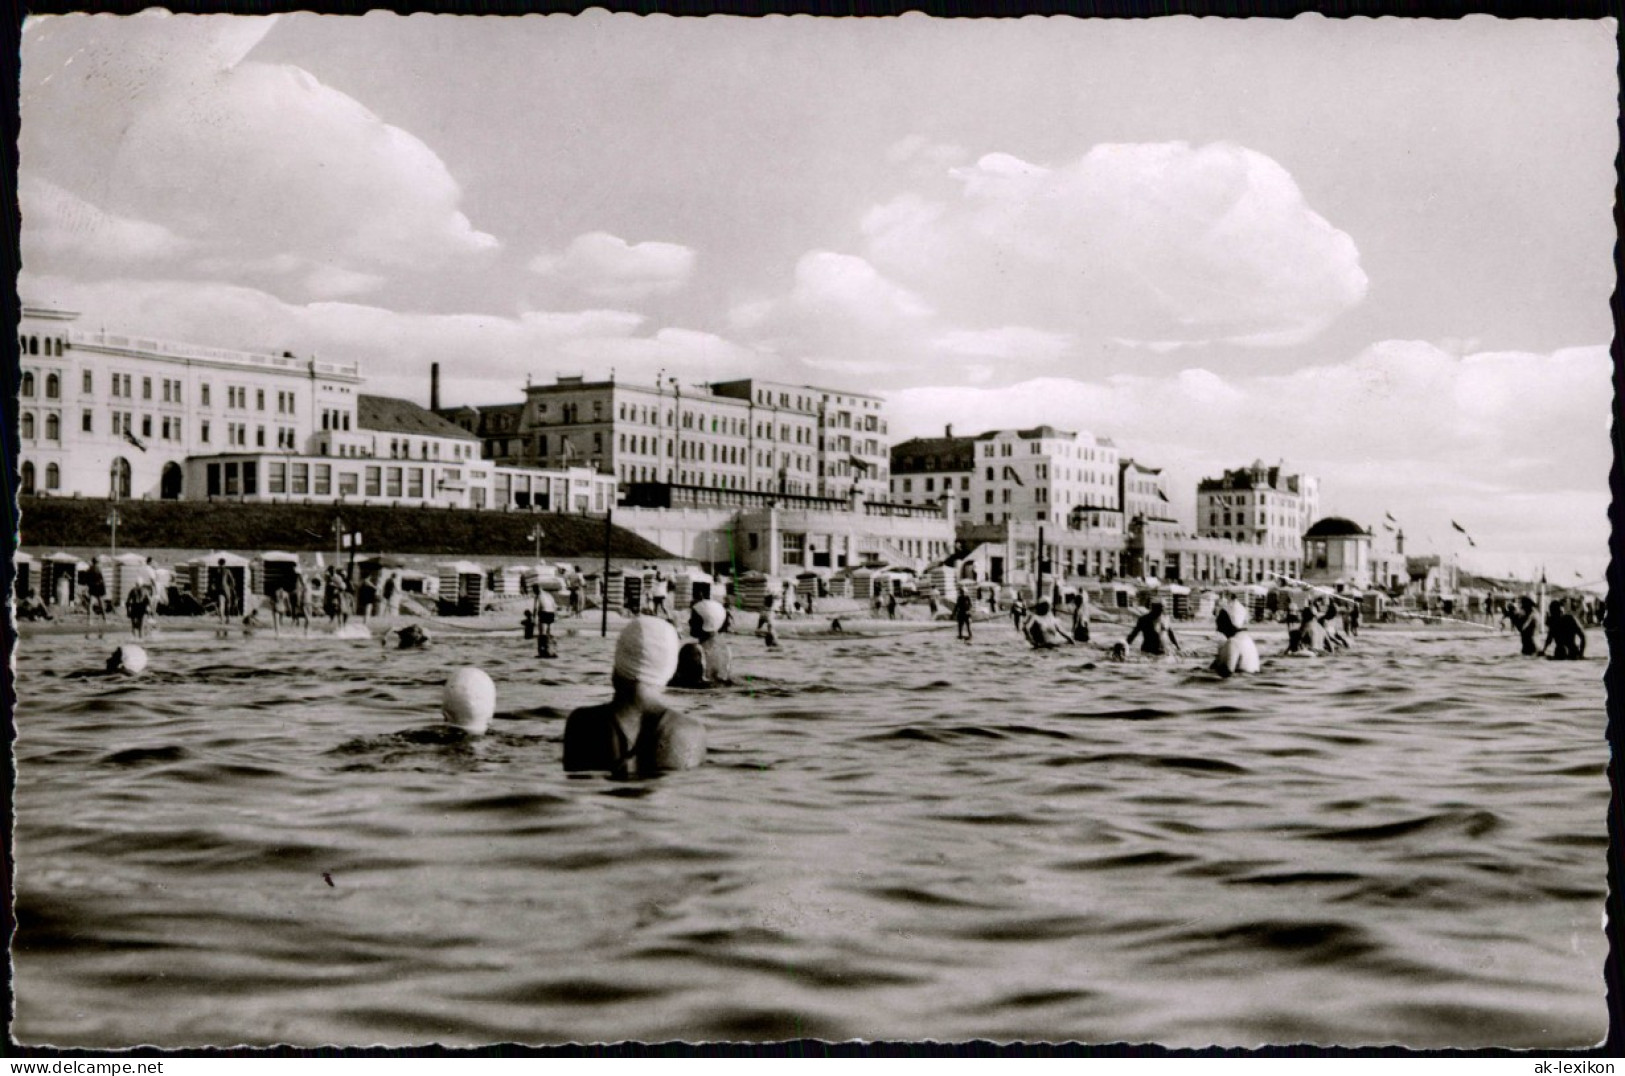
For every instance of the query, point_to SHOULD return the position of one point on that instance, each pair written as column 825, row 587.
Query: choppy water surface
column 892, row 839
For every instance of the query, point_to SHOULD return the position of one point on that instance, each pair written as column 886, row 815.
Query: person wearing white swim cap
column 706, row 661
column 635, row 733
column 1238, row 652
column 128, row 659
column 468, row 700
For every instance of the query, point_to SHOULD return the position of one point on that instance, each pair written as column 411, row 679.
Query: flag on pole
column 1389, row 516
column 1011, row 475
column 1464, row 533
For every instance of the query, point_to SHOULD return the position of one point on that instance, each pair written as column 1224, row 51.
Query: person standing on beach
column 136, row 604
column 636, row 733
column 1155, row 633
column 280, row 608
column 96, row 586
column 963, row 616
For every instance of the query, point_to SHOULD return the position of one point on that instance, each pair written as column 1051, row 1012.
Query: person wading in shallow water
column 1526, row 622
column 1155, row 631
column 1563, row 634
column 1238, row 652
column 636, row 733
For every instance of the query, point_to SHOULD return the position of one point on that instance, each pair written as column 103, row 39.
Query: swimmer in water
column 636, row 734
column 1043, row 631
column 1238, row 652
column 1309, row 637
column 1157, row 633
column 964, row 616
column 704, row 662
column 411, row 637
column 468, row 701
column 125, row 660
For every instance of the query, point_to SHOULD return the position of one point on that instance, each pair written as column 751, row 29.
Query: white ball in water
column 131, row 658
column 469, row 700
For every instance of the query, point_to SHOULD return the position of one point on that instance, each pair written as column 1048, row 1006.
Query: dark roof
column 945, row 454
column 484, row 416
column 392, row 415
column 1336, row 527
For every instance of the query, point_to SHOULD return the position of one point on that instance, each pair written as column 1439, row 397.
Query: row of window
column 30, row 345
column 53, row 477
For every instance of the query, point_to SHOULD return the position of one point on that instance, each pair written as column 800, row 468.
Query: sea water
column 900, row 838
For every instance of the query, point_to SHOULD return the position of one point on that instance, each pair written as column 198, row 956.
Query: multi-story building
column 1142, row 494
column 664, row 433
column 497, row 427
column 1046, row 475
column 1258, row 505
column 924, row 470
column 853, row 448
column 102, row 414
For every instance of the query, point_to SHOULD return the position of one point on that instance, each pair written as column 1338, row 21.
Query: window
column 259, row 399
column 301, row 479
column 146, row 425
column 87, row 384
column 414, row 481
column 203, row 394
column 146, row 388
column 53, row 387
column 374, row 476
column 259, row 436
column 53, row 476
column 324, row 480
column 28, row 383
column 347, row 483
column 53, row 428
column 392, row 482
column 276, row 478
column 85, row 421
column 28, row 477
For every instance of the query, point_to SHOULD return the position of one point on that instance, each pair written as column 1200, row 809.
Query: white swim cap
column 711, row 613
column 1237, row 613
column 468, row 700
column 647, row 651
column 131, row 658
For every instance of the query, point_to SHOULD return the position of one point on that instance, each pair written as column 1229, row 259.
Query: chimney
column 434, row 386
column 948, row 431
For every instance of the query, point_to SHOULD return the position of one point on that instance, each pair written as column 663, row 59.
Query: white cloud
column 608, row 267
column 1158, row 242
column 58, row 226
column 160, row 119
column 1402, row 427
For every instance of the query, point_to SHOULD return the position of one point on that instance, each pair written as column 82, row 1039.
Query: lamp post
column 676, row 428
column 536, row 535
column 112, row 521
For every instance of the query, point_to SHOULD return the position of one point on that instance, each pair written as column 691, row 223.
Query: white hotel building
column 107, row 415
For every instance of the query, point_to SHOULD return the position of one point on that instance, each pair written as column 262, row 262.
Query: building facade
column 103, row 414
column 1258, row 505
column 109, row 415
column 666, row 433
column 925, row 470
column 1046, row 475
column 1142, row 494
column 852, row 444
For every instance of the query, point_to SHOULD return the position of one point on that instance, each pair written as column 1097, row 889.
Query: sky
column 1375, row 251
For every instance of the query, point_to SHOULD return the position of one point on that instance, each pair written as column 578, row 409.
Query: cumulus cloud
column 608, row 267
column 838, row 310
column 162, row 119
column 1156, row 242
column 1404, row 427
column 59, row 226
column 485, row 358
